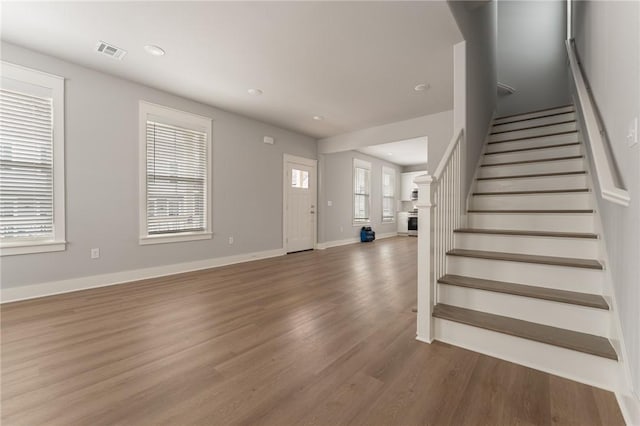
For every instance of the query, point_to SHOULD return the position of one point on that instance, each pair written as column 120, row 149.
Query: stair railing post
column 425, row 259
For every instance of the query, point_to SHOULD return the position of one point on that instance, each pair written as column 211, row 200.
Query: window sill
column 175, row 238
column 388, row 221
column 12, row 249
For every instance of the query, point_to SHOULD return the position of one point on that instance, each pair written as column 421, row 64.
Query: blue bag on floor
column 367, row 234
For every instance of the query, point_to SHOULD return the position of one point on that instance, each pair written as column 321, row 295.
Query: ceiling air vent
column 110, row 50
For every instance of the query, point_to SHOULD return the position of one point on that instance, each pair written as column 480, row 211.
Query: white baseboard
column 353, row 240
column 630, row 406
column 13, row 294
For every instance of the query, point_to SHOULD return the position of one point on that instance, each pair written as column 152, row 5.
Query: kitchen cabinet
column 407, row 185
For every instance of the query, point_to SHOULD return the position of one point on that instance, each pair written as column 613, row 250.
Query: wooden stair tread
column 562, row 296
column 530, row 211
column 543, row 160
column 535, row 137
column 534, row 175
column 535, row 148
column 537, row 126
column 539, row 191
column 568, row 339
column 528, row 258
column 527, row 233
column 535, row 111
column 533, row 118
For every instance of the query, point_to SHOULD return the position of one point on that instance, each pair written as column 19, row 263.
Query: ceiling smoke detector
column 254, row 92
column 421, row 87
column 110, row 50
column 318, row 117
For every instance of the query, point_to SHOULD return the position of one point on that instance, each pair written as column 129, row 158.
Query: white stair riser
column 560, row 277
column 533, row 184
column 593, row 370
column 568, row 201
column 530, row 115
column 573, row 165
column 547, row 130
column 534, row 142
column 562, row 315
column 538, row 154
column 516, row 125
column 581, row 248
column 567, row 222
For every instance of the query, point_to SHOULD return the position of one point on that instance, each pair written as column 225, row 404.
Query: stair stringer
column 627, row 398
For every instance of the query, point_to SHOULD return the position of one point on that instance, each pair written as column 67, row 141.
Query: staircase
column 523, row 280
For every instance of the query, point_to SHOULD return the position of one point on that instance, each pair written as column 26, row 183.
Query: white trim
column 630, row 407
column 286, row 159
column 11, row 249
column 167, row 238
column 13, row 294
column 56, row 84
column 353, row 240
column 184, row 119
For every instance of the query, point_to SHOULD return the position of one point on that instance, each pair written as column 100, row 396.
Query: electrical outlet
column 632, row 136
column 230, row 240
column 95, row 253
column 329, row 203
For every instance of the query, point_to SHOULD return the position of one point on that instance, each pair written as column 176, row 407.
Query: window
column 32, row 198
column 361, row 191
column 388, row 194
column 299, row 179
column 175, row 175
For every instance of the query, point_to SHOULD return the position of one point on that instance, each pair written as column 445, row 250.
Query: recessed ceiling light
column 318, row 117
column 154, row 50
column 389, row 153
column 254, row 92
column 421, row 87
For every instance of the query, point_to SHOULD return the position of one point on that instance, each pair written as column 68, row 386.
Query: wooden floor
column 322, row 338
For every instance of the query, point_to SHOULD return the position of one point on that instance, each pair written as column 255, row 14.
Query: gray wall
column 608, row 45
column 478, row 23
column 531, row 55
column 102, row 179
column 336, row 176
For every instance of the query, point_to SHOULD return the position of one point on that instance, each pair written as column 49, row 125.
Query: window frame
column 391, row 172
column 360, row 164
column 54, row 83
column 171, row 116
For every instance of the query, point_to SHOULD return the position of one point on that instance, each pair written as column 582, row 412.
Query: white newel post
column 425, row 259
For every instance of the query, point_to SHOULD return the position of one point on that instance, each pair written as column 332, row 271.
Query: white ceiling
column 354, row 63
column 408, row 152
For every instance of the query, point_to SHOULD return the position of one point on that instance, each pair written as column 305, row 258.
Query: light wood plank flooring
column 321, row 338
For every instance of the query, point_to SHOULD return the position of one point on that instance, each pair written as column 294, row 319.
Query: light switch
column 329, row 203
column 632, row 136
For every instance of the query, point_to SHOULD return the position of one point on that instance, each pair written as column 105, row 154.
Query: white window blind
column 176, row 179
column 26, row 167
column 361, row 191
column 388, row 194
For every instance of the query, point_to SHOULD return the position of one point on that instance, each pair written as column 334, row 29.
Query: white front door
column 300, row 204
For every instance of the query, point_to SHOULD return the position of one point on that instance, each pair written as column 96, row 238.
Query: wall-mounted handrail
column 603, row 162
column 439, row 213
